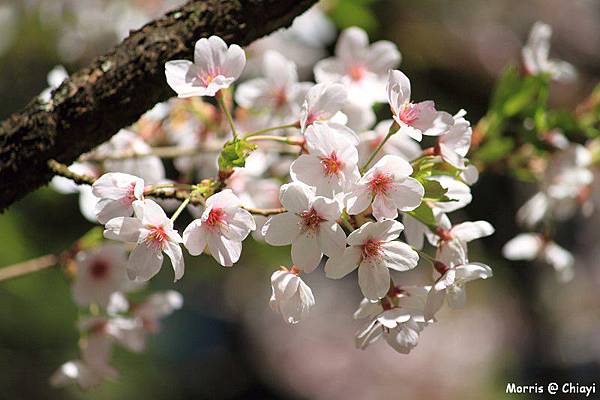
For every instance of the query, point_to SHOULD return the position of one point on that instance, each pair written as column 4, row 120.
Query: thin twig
column 27, row 267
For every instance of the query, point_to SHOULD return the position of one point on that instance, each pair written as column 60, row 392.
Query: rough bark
column 117, row 88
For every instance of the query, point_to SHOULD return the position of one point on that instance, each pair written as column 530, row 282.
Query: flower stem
column 181, row 207
column 221, row 99
column 377, row 150
column 281, row 139
column 274, row 128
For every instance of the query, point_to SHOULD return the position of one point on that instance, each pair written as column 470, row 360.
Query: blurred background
column 521, row 326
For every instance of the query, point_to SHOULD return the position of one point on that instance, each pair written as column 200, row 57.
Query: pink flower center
column 371, row 248
column 215, row 217
column 99, row 269
column 312, row 117
column 130, row 196
column 157, row 237
column 444, row 234
column 357, row 72
column 280, row 97
column 209, row 76
column 440, row 267
column 409, row 113
column 331, row 164
column 380, row 183
column 310, row 220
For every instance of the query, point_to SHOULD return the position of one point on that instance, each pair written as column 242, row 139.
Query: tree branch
column 117, row 88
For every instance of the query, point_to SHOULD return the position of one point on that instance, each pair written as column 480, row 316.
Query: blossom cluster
column 289, row 163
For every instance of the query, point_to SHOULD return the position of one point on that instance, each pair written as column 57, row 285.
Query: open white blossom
column 279, row 94
column 399, row 318
column 323, row 105
column 414, row 119
column 117, row 192
column 453, row 145
column 360, row 67
column 373, row 250
column 536, row 55
column 215, row 67
column 223, row 226
column 389, row 186
column 534, row 246
column 331, row 163
column 309, row 225
column 291, row 297
column 454, row 271
column 152, row 232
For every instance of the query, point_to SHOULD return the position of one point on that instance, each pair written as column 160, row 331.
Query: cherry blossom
column 331, row 163
column 87, row 200
column 291, row 297
column 279, row 93
column 389, row 186
column 454, row 144
column 153, row 234
column 309, row 225
column 100, row 273
column 373, row 250
column 414, row 119
column 532, row 246
column 399, row 318
column 536, row 52
column 454, row 238
column 156, row 307
column 360, row 67
column 117, row 192
column 323, row 104
column 454, row 271
column 221, row 228
column 215, row 67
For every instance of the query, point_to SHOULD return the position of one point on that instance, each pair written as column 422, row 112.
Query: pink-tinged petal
column 107, row 209
column 374, row 280
column 395, row 165
column 328, row 209
column 435, row 301
column 223, row 199
column 194, row 238
column 282, row 229
column 384, row 208
column 306, row 253
column 352, row 45
column 239, row 225
column 210, row 53
column 296, row 196
column 472, row 271
column 252, row 94
column 327, row 99
column 177, row 77
column 234, row 62
column 225, row 251
column 173, row 250
column 144, row 262
column 430, row 121
column 150, row 213
column 468, row 231
column 451, row 157
column 414, row 231
column 398, row 91
column 383, row 231
column 399, row 256
column 307, row 169
column 358, row 200
column 115, row 185
column 125, row 229
column 340, row 266
column 382, row 57
column 409, row 131
column 331, row 239
column 525, row 246
column 406, row 195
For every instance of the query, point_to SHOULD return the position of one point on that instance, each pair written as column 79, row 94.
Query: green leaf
column 434, row 191
column 424, row 214
column 234, row 154
column 349, row 13
column 91, row 239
